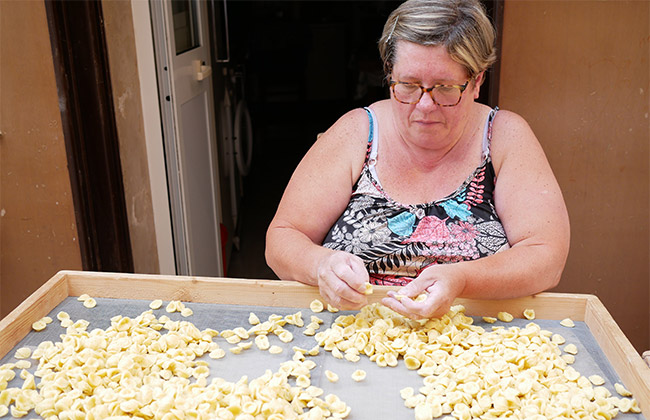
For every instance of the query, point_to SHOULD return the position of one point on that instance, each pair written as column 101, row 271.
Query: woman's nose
column 426, row 102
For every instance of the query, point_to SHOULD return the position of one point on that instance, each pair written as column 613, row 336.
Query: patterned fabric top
column 396, row 241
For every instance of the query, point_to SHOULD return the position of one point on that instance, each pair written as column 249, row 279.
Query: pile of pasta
column 471, row 373
column 153, row 367
column 134, row 370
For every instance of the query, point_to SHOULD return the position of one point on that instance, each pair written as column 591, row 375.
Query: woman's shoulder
column 508, row 122
column 351, row 130
column 342, row 148
column 352, row 124
column 511, row 136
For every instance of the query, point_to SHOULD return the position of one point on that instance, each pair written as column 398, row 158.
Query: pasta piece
column 529, row 314
column 227, row 333
column 233, row 339
column 596, row 380
column 505, row 317
column 424, row 412
column 185, row 312
column 567, row 322
column 407, row 392
column 217, row 354
column 571, row 349
column 253, row 319
column 331, row 376
column 15, row 412
column 303, row 381
column 285, row 336
column 421, row 297
column 241, row 333
column 359, row 375
column 309, row 331
column 313, row 325
column 337, row 353
column 172, row 306
column 352, row 357
column 39, row 325
column 568, row 358
column 332, row 309
column 489, row 319
column 23, row 353
column 245, row 345
column 316, row 306
column 262, row 342
column 156, row 304
column 367, row 289
column 622, row 391
column 625, row 405
column 90, row 303
column 83, row 297
column 557, row 339
column 23, row 364
column 275, row 349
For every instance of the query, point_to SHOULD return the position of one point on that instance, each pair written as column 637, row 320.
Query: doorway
column 306, row 63
column 299, row 65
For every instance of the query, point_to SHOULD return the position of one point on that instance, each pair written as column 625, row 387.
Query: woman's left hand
column 442, row 283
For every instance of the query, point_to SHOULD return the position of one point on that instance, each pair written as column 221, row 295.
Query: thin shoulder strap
column 371, row 133
column 487, row 136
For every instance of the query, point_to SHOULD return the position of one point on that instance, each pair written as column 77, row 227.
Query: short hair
column 459, row 25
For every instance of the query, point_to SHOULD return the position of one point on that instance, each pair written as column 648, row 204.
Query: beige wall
column 120, row 41
column 578, row 72
column 38, row 234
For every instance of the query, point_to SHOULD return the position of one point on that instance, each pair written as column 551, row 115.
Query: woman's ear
column 478, row 81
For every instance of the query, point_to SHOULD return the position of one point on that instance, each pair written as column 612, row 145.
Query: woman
column 428, row 189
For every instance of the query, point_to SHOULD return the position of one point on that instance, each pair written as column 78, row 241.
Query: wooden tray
column 627, row 363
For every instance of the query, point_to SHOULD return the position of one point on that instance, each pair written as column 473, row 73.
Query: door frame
column 170, row 139
column 84, row 87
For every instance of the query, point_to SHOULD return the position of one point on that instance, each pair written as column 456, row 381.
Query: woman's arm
column 529, row 203
column 316, row 196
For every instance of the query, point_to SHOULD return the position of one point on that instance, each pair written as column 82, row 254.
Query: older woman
column 429, row 189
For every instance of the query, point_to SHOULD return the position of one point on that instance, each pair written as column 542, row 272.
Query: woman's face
column 425, row 123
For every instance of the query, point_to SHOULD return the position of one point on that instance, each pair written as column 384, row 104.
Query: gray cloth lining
column 377, row 397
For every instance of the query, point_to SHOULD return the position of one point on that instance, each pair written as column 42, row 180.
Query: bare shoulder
column 343, row 145
column 513, row 139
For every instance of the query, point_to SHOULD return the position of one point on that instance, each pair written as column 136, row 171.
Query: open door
column 185, row 88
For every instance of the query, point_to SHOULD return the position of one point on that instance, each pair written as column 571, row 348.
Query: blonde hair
column 459, row 25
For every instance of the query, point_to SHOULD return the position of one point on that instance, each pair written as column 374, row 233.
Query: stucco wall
column 578, row 72
column 38, row 233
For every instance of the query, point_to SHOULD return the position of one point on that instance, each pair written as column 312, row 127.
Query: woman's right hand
column 341, row 280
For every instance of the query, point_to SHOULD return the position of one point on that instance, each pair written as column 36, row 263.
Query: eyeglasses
column 442, row 95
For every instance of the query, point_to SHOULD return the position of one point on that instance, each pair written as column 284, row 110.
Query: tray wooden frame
column 627, row 363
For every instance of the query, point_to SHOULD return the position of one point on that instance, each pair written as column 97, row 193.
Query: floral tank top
column 396, row 241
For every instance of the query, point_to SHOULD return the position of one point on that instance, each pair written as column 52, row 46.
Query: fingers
column 432, row 307
column 439, row 298
column 341, row 280
column 352, row 271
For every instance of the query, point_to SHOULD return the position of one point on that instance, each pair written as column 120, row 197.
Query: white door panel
column 198, row 186
column 192, row 156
